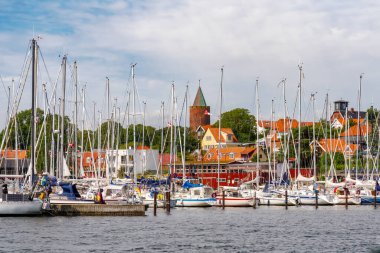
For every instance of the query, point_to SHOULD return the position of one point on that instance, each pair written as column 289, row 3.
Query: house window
column 209, row 155
column 229, row 137
column 232, row 155
column 88, row 159
column 208, row 138
column 236, row 180
column 123, row 159
column 221, row 179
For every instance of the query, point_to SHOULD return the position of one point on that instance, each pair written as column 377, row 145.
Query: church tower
column 199, row 112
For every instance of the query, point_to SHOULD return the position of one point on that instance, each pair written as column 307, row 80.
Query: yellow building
column 211, row 140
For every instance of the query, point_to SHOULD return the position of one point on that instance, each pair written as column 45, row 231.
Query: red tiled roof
column 215, row 132
column 337, row 145
column 21, row 154
column 353, row 131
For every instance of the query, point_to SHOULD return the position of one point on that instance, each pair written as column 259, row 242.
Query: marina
column 192, row 126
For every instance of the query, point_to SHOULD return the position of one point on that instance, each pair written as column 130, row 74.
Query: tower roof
column 199, row 98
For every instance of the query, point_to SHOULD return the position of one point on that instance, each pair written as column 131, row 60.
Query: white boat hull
column 195, row 202
column 273, row 201
column 350, row 201
column 310, row 200
column 21, row 208
column 234, row 201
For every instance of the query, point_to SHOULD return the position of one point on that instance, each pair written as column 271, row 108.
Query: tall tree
column 242, row 123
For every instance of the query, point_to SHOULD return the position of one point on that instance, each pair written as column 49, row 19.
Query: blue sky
column 190, row 40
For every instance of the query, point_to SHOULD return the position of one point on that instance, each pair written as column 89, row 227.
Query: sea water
column 265, row 229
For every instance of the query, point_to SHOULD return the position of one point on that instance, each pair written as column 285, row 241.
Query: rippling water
column 266, row 229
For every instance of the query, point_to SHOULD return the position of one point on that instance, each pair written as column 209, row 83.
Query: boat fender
column 213, row 195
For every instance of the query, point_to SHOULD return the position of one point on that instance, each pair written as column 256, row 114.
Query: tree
column 242, row 123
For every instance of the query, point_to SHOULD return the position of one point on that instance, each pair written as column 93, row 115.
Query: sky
column 187, row 41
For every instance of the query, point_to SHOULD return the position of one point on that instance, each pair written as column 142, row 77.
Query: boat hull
column 350, row 201
column 234, row 201
column 272, row 201
column 311, row 200
column 21, row 208
column 369, row 200
column 195, row 202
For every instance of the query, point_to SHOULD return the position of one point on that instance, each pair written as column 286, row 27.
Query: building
column 13, row 163
column 144, row 160
column 229, row 154
column 356, row 132
column 199, row 111
column 211, row 138
column 336, row 145
column 338, row 119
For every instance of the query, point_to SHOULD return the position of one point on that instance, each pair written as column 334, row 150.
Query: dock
column 97, row 210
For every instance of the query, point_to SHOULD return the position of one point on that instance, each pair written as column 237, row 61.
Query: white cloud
column 187, row 40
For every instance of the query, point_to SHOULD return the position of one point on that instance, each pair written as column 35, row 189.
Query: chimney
column 352, row 109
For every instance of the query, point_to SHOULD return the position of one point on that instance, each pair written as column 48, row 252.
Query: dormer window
column 232, row 155
column 229, row 137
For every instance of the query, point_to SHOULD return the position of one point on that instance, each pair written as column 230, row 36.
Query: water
column 266, row 229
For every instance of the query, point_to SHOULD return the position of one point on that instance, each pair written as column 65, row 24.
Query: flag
column 207, row 113
column 169, row 124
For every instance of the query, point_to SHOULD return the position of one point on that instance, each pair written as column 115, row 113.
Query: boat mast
column 171, row 130
column 99, row 143
column 127, row 132
column 76, row 120
column 220, row 120
column 326, row 116
column 134, row 123
column 44, row 126
column 108, row 131
column 62, row 155
column 299, row 121
column 34, row 116
column 162, row 134
column 184, row 135
column 358, row 127
column 16, row 132
column 82, row 130
column 286, row 129
column 257, row 135
column 314, row 141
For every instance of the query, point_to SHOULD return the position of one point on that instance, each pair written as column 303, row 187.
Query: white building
column 122, row 159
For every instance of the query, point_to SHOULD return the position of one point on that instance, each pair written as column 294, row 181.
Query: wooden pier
column 97, row 210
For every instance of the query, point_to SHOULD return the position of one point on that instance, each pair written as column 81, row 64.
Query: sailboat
column 22, row 204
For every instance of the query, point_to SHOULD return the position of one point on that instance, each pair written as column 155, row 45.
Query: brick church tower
column 199, row 112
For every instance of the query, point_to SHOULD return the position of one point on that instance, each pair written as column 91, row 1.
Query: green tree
column 242, row 123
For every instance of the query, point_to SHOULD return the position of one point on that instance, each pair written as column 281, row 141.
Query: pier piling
column 286, row 199
column 346, row 195
column 254, row 200
column 223, row 198
column 375, row 198
column 316, row 199
column 155, row 204
column 168, row 201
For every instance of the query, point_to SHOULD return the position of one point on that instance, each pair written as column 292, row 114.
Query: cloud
column 190, row 40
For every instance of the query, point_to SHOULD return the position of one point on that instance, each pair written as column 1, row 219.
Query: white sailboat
column 21, row 204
